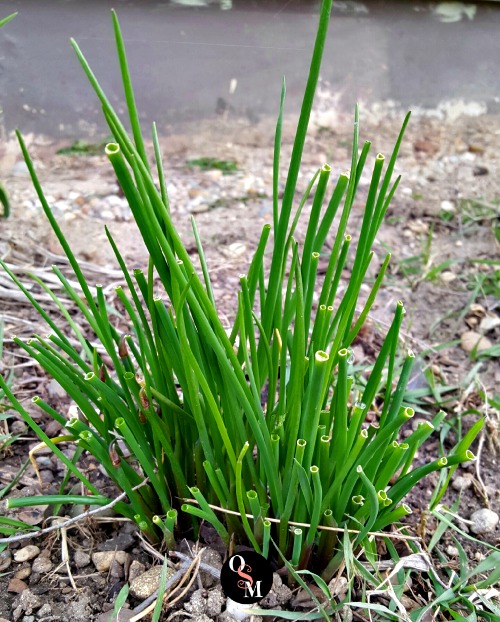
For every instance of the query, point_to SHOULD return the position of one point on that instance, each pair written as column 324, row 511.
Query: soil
column 442, row 228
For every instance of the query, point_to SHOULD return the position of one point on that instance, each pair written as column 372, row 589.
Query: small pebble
column 135, row 570
column 239, row 611
column 470, row 340
column 197, row 604
column 484, row 521
column 212, row 558
column 69, row 452
column 452, row 551
column 122, row 542
column 23, row 573
column 338, row 587
column 26, row 553
column 129, row 528
column 215, row 602
column 213, row 175
column 81, row 559
column 447, row 276
column 123, row 616
column 448, row 206
column 42, row 565
column 116, row 570
column 145, row 584
column 346, row 614
column 18, row 427
column 55, row 390
column 16, row 586
column 461, row 482
column 20, row 169
column 279, row 594
column 5, row 559
column 44, row 461
column 489, row 323
column 463, row 526
column 237, row 248
column 47, row 477
column 45, row 610
column 492, row 491
column 479, row 170
column 61, row 569
column 115, row 201
column 102, row 561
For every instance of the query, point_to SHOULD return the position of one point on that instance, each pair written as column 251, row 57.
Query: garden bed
column 442, row 230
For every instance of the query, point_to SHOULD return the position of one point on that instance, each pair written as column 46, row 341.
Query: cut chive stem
column 297, row 546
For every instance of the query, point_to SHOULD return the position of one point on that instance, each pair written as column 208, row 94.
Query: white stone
column 239, row 611
column 489, row 322
column 448, row 206
column 461, row 482
column 448, row 276
column 26, row 553
column 484, row 521
column 113, row 200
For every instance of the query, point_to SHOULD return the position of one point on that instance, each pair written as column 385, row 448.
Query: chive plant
column 253, row 429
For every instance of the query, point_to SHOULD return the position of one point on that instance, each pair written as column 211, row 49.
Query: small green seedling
column 207, row 164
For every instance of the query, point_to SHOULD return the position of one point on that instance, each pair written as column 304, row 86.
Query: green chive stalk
column 297, row 546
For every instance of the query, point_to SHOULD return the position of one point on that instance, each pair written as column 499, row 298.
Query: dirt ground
column 442, row 230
